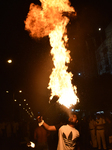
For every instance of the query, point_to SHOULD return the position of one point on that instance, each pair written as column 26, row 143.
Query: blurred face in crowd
column 98, row 116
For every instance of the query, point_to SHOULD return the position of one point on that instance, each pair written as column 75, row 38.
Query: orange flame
column 48, row 19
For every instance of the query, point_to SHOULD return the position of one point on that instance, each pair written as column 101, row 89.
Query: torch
column 31, row 144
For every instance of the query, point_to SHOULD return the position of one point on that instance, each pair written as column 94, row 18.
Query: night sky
column 31, row 58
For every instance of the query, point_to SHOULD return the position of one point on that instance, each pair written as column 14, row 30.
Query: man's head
column 39, row 119
column 73, row 119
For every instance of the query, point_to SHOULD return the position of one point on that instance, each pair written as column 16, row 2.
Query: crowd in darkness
column 96, row 132
column 16, row 135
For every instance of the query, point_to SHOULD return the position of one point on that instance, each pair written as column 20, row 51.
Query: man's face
column 39, row 119
column 73, row 119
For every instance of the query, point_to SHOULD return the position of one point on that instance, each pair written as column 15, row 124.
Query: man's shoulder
column 69, row 127
column 63, row 126
column 60, row 125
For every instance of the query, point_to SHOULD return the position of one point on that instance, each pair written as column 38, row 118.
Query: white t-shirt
column 67, row 137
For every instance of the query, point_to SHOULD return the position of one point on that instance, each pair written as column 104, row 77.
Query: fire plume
column 49, row 20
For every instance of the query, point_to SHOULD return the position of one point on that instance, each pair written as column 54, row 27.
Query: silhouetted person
column 40, row 137
column 15, row 127
column 92, row 131
column 100, row 122
column 108, row 129
column 8, row 129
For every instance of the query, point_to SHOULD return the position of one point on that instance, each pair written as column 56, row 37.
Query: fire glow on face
column 48, row 20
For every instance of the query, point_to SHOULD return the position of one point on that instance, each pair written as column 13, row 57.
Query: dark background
column 32, row 62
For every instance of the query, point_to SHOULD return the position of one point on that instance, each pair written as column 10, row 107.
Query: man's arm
column 78, row 147
column 48, row 127
column 78, row 144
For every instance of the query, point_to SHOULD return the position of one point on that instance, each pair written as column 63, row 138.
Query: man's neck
column 71, row 125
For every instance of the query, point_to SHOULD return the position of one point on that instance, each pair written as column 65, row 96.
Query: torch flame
column 31, row 144
column 48, row 19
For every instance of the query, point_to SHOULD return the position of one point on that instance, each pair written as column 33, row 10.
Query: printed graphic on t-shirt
column 70, row 144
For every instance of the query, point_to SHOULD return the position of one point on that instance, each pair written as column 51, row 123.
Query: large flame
column 49, row 19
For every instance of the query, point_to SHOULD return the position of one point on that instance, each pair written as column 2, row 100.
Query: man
column 40, row 137
column 92, row 131
column 100, row 122
column 67, row 134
